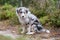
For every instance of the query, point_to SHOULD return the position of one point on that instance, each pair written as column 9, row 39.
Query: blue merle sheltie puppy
column 29, row 22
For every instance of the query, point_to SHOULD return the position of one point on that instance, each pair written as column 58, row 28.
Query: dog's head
column 22, row 12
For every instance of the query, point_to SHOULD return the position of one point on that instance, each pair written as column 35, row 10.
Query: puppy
column 29, row 22
column 25, row 21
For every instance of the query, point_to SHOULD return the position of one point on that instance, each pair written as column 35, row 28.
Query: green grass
column 5, row 37
column 22, row 37
column 10, row 38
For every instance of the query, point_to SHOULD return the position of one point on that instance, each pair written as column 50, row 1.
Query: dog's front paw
column 22, row 32
column 30, row 33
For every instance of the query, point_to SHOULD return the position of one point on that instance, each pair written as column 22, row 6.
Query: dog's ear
column 17, row 10
column 27, row 10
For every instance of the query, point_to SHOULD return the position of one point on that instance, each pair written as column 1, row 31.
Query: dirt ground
column 12, row 30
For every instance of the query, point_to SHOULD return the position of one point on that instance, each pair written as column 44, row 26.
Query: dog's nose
column 22, row 16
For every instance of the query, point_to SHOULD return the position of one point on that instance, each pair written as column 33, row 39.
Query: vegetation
column 23, row 37
column 5, row 37
column 48, row 11
column 10, row 38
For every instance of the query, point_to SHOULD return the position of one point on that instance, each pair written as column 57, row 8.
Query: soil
column 12, row 30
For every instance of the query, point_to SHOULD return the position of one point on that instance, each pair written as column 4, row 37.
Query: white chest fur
column 24, row 21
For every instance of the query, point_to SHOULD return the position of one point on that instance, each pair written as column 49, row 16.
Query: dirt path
column 42, row 36
column 8, row 33
column 8, row 30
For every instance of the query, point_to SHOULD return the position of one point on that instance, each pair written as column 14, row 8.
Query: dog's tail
column 41, row 29
column 45, row 30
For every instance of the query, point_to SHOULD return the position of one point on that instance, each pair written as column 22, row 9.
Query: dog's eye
column 20, row 12
column 26, row 11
